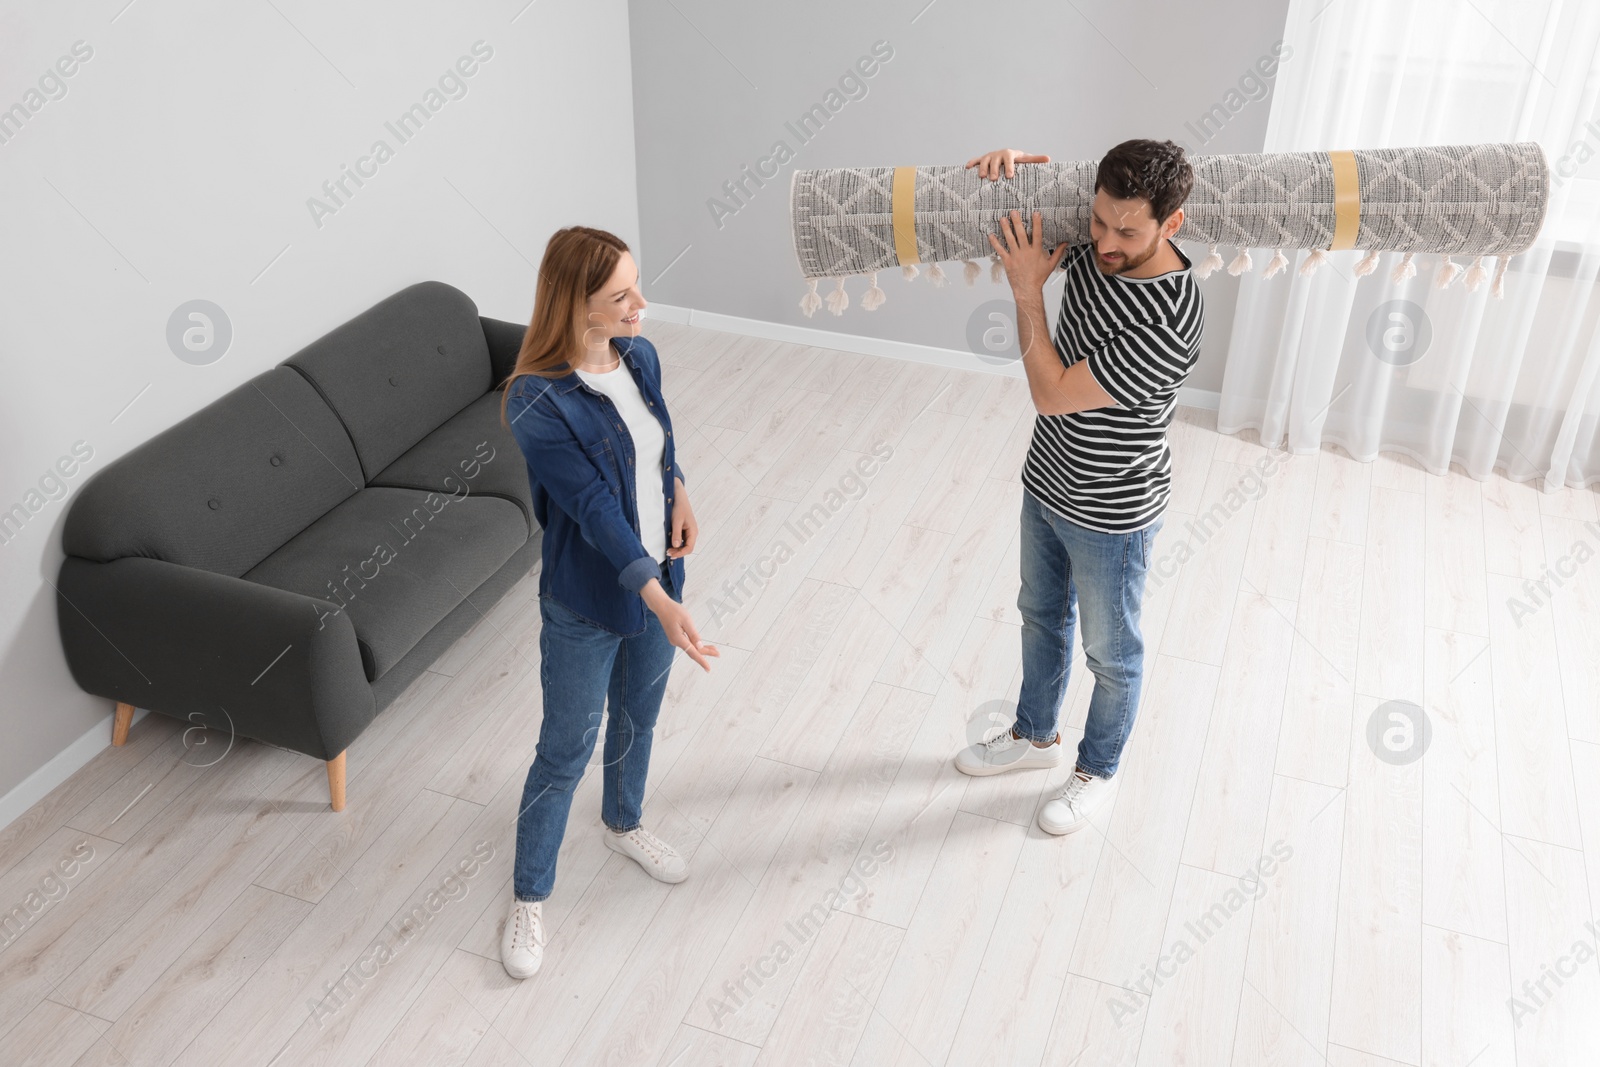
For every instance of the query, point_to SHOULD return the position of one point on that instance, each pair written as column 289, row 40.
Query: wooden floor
column 221, row 914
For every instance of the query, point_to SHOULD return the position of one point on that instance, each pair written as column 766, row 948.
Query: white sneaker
column 522, row 941
column 1070, row 809
column 659, row 859
column 1007, row 752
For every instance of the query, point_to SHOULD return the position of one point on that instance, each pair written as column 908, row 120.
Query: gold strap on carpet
column 1346, row 200
column 903, row 206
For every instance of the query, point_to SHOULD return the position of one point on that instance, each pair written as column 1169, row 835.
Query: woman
column 584, row 403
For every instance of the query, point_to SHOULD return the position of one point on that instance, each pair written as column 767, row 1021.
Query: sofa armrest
column 505, row 341
column 215, row 650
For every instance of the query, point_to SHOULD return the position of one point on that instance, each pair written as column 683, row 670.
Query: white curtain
column 1510, row 383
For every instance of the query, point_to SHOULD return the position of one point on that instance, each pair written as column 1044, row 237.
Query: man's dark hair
column 1154, row 170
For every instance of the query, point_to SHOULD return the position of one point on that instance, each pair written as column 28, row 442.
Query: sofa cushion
column 397, row 561
column 400, row 369
column 472, row 452
column 225, row 487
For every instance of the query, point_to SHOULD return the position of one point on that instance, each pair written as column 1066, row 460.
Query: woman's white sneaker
column 659, row 859
column 1070, row 808
column 1005, row 751
column 522, row 941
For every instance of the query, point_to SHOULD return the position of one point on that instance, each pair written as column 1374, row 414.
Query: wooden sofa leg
column 336, row 781
column 119, row 729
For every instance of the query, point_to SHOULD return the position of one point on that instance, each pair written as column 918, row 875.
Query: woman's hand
column 678, row 624
column 685, row 531
column 991, row 163
column 1023, row 255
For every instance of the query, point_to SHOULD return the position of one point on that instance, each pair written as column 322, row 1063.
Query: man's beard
column 1128, row 263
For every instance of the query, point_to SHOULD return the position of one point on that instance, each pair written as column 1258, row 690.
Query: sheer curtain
column 1455, row 376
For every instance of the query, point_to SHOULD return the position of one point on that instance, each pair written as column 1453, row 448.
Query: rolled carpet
column 1469, row 200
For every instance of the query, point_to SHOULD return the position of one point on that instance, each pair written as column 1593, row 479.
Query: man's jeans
column 1061, row 563
column 582, row 665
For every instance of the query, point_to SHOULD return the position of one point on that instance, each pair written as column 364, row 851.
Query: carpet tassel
column 811, row 301
column 838, row 300
column 873, row 298
column 1448, row 270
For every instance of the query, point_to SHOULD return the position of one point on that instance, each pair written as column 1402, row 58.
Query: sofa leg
column 336, row 781
column 119, row 729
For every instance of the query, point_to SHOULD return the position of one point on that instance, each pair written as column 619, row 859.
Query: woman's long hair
column 577, row 262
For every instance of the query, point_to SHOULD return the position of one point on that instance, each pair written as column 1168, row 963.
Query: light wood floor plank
column 1531, row 738
column 845, row 972
column 1511, row 529
column 1554, row 977
column 1199, row 975
column 928, row 986
column 1463, row 885
column 1377, row 963
column 1457, row 595
column 1288, row 983
column 1574, row 606
column 1319, row 696
column 1132, row 893
column 1465, row 991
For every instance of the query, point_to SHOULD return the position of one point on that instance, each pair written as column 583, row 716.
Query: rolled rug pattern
column 1478, row 200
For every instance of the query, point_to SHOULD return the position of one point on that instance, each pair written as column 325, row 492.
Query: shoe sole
column 658, row 876
column 987, row 769
column 1071, row 828
column 519, row 977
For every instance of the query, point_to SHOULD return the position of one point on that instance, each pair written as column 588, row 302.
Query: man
column 1098, row 473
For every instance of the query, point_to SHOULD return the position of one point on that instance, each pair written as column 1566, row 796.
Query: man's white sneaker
column 522, row 941
column 1070, row 808
column 659, row 859
column 1005, row 751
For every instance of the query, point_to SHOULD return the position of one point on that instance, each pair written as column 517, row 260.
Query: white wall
column 177, row 165
column 718, row 82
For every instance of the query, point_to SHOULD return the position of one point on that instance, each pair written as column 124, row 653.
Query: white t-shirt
column 649, row 447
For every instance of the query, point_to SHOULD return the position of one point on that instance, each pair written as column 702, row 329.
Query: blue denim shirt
column 580, row 468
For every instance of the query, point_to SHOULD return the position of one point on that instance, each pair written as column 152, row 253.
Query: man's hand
column 990, row 164
column 1056, row 390
column 1027, row 263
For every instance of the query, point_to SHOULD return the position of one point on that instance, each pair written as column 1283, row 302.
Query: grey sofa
column 285, row 561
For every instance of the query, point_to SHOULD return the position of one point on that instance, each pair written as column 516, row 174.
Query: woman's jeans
column 581, row 666
column 1061, row 562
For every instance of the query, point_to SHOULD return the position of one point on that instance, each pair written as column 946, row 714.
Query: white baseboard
column 928, row 355
column 64, row 765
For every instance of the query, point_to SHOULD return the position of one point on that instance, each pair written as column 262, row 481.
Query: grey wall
column 176, row 163
column 715, row 81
